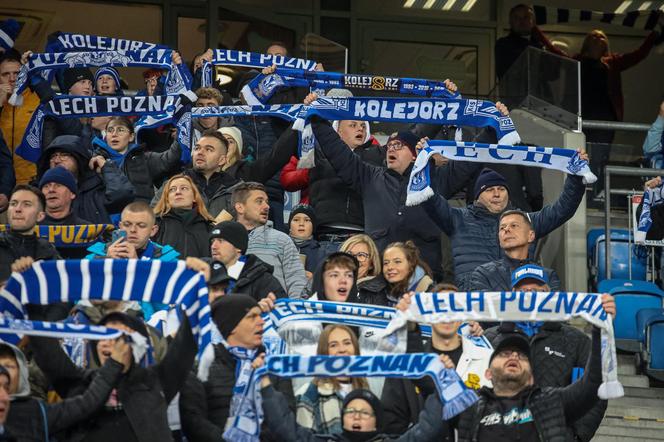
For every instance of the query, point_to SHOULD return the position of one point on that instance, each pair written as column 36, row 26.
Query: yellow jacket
column 13, row 121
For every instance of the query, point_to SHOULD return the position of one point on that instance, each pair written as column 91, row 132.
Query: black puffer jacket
column 99, row 195
column 14, row 246
column 554, row 352
column 204, row 406
column 497, row 275
column 185, row 231
column 554, row 410
column 256, row 280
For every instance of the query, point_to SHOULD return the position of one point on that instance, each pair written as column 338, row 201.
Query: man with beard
column 518, row 408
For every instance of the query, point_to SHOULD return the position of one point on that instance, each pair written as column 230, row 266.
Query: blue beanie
column 488, row 178
column 108, row 71
column 59, row 175
column 9, row 30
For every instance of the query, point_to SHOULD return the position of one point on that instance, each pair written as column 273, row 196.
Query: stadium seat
column 654, row 356
column 631, row 297
column 591, row 239
column 607, row 285
column 621, row 253
column 642, row 317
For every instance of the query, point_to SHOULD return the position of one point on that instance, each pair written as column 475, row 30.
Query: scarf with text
column 69, row 236
column 651, row 198
column 556, row 158
column 263, row 87
column 646, row 19
column 230, row 57
column 520, row 306
column 178, row 80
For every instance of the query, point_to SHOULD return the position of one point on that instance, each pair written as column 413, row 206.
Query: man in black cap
column 251, row 275
column 206, row 406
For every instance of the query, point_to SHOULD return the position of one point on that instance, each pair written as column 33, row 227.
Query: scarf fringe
column 420, row 196
column 610, row 390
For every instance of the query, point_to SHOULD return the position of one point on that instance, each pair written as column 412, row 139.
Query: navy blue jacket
column 497, row 275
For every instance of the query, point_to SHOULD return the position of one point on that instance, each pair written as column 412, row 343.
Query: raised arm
column 555, row 215
column 440, row 212
column 179, row 358
column 61, row 372
column 162, row 164
column 265, row 167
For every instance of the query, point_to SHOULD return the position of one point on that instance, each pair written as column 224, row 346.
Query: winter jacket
column 7, row 175
column 319, row 408
column 151, row 251
column 497, row 275
column 205, row 406
column 280, row 420
column 29, row 419
column 277, row 249
column 144, row 393
column 14, row 246
column 403, row 400
column 143, row 168
column 186, row 231
column 387, row 218
column 99, row 195
column 313, row 252
column 13, row 123
column 293, row 179
column 256, row 280
column 555, row 351
column 474, row 230
column 652, row 144
column 553, row 409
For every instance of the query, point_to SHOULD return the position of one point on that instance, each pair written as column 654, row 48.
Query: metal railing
column 615, row 125
column 618, row 171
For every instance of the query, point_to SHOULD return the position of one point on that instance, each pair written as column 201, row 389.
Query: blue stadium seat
column 654, row 360
column 631, row 297
column 591, row 239
column 642, row 317
column 607, row 285
column 621, row 253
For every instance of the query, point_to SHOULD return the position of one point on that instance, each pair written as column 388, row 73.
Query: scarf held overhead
column 264, row 86
column 47, row 282
column 556, row 158
column 69, row 236
column 520, row 306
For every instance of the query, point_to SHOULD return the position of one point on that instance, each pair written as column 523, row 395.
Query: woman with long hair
column 184, row 222
column 320, row 402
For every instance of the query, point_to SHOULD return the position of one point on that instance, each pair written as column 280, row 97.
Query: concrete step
column 626, row 369
column 642, row 424
column 606, row 438
column 627, row 401
column 634, row 381
column 637, row 392
column 649, row 412
column 630, row 431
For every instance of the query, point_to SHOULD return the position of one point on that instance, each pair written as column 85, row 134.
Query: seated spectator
column 251, row 276
column 515, row 236
column 320, row 402
column 59, row 188
column 363, row 418
column 26, row 209
column 205, row 407
column 30, row 419
column 474, row 230
column 183, row 222
column 403, row 271
column 107, row 82
column 143, row 168
column 302, row 225
column 363, row 248
column 558, row 351
column 127, row 414
column 272, row 246
column 102, row 189
column 404, row 399
column 14, row 119
column 335, row 279
column 234, row 140
column 652, row 145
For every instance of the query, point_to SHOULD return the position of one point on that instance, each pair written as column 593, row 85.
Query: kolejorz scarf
column 229, row 57
column 651, row 198
column 178, row 80
column 69, row 236
column 646, row 19
column 556, row 158
column 263, row 87
column 519, row 306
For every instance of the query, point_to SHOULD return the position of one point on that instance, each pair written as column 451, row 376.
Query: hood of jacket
column 108, row 152
column 318, row 284
column 71, row 144
column 23, row 389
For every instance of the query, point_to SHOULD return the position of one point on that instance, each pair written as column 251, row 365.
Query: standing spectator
column 14, row 119
column 26, row 209
column 183, row 221
column 302, row 224
column 208, row 97
column 515, row 236
column 107, row 82
column 102, row 189
column 652, row 145
column 228, row 244
column 250, row 202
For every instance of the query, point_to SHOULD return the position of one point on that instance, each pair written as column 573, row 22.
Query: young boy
column 302, row 223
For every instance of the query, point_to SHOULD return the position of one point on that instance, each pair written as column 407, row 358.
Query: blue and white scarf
column 454, row 395
column 178, row 81
column 70, row 106
column 229, row 57
column 47, row 282
column 263, row 87
column 81, row 235
column 518, row 306
column 556, row 158
column 651, row 198
column 68, row 42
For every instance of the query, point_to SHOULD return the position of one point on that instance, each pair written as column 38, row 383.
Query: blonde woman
column 363, row 248
column 234, row 138
column 184, row 222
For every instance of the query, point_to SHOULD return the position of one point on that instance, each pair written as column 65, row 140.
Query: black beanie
column 488, row 178
column 74, row 75
column 228, row 311
column 233, row 232
column 132, row 322
column 307, row 210
column 371, row 399
column 408, row 138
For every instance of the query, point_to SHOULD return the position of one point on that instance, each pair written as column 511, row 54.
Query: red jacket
column 293, row 179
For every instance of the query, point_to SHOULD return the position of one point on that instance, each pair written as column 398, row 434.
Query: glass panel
column 332, row 55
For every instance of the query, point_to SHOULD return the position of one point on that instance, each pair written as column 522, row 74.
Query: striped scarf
column 646, row 20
